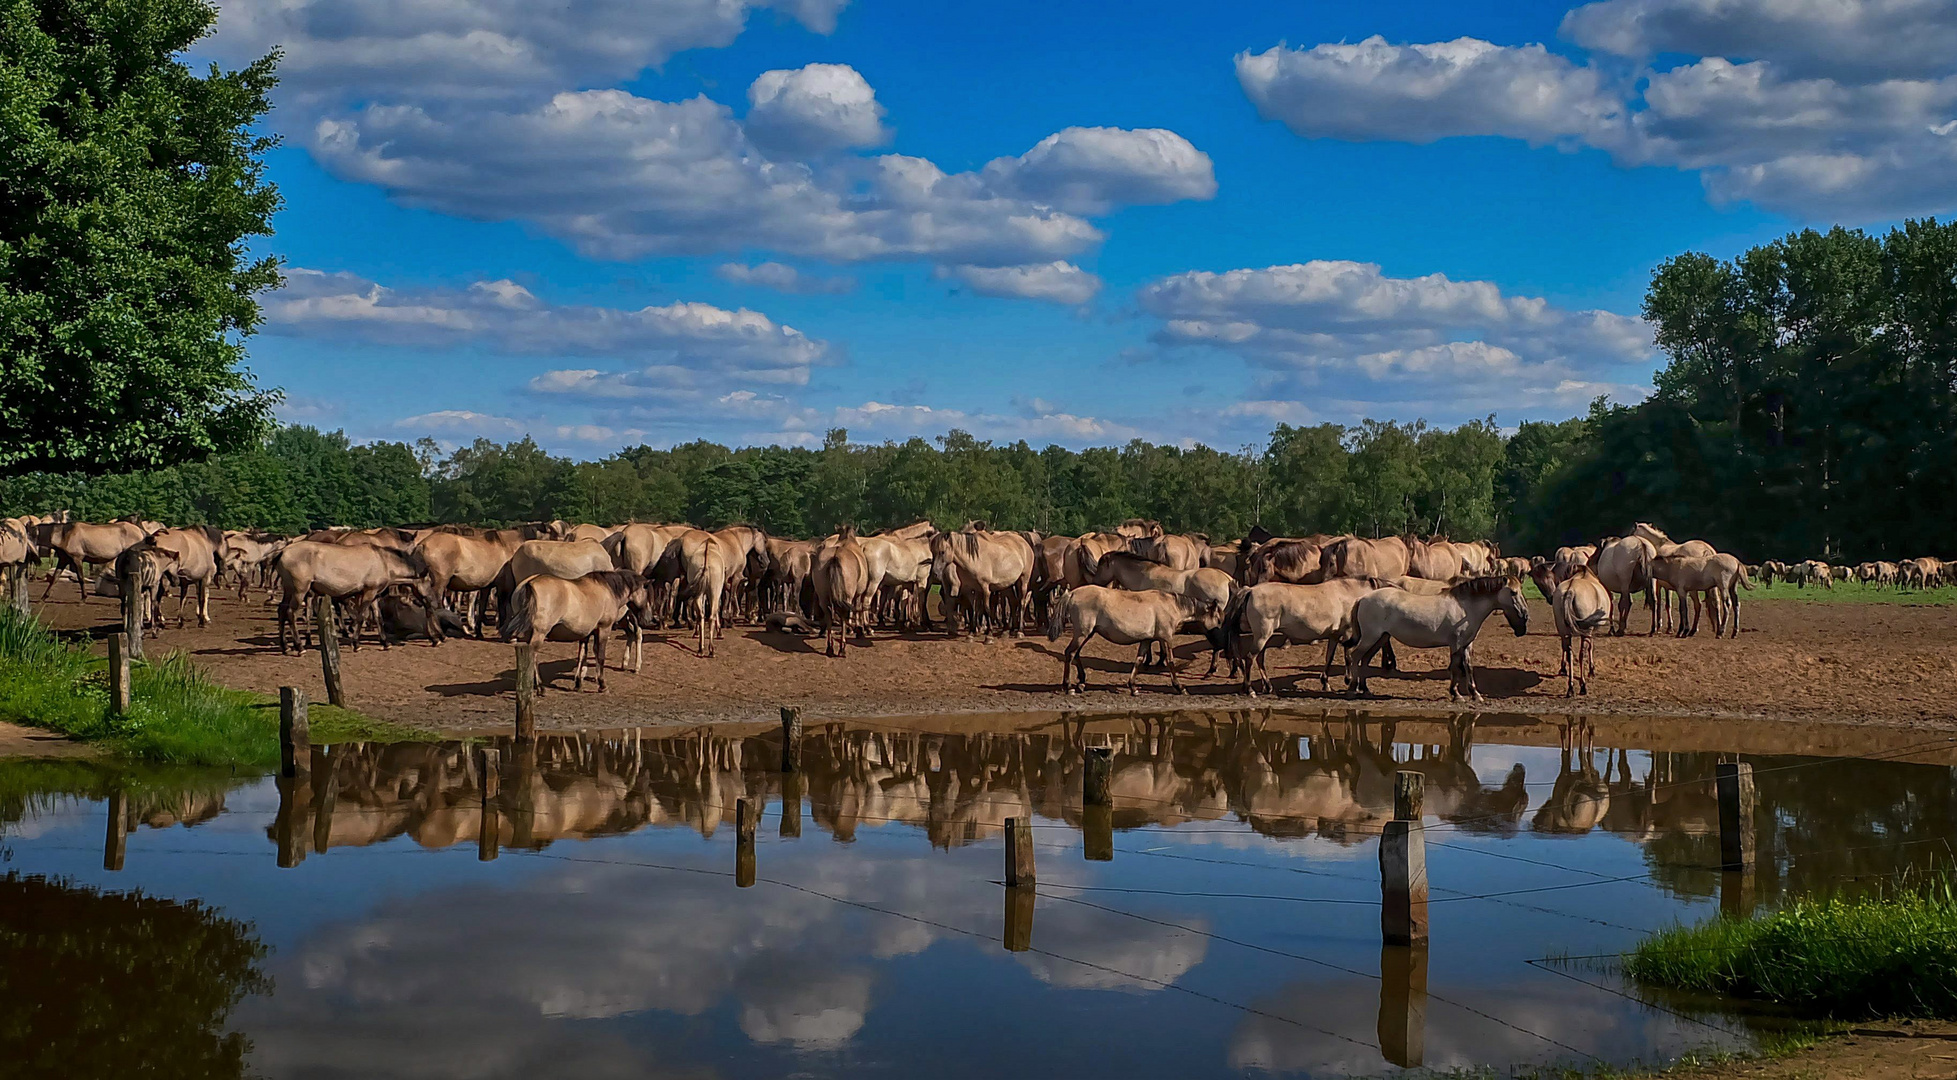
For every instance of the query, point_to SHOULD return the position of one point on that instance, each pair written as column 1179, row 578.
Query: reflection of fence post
column 325, row 793
column 791, row 806
column 1734, row 780
column 1096, row 774
column 288, row 832
column 747, row 818
column 329, row 647
column 116, row 844
column 1403, row 1004
column 295, row 733
column 791, row 739
column 132, row 608
column 119, row 673
column 1019, row 851
column 1019, row 919
column 1097, row 833
column 1403, row 866
column 522, row 804
column 526, row 692
column 489, row 766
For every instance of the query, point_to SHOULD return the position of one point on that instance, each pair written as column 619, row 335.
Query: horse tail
column 517, row 621
column 1061, row 609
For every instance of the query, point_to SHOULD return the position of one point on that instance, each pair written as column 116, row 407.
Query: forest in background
column 1808, row 407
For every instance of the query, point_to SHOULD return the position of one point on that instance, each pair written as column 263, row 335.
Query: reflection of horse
column 1580, row 797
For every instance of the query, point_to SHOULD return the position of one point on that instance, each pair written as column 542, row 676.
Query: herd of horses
column 1135, row 585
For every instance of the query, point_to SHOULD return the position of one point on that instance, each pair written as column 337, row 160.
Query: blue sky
column 606, row 222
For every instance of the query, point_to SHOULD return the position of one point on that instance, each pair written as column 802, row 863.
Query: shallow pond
column 1222, row 919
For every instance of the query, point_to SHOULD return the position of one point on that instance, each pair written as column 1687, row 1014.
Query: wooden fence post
column 747, row 818
column 1403, row 1004
column 23, row 603
column 489, row 766
column 295, row 734
column 791, row 739
column 1734, row 780
column 526, row 692
column 1096, row 775
column 119, row 672
column 116, row 844
column 329, row 648
column 1019, row 851
column 132, row 608
column 1403, row 866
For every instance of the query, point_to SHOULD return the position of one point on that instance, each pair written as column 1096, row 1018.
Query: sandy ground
column 1880, row 1051
column 17, row 741
column 1884, row 663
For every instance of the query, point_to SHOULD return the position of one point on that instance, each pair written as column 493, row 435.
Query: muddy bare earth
column 1891, row 664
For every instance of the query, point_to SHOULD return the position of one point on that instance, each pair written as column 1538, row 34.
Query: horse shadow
column 504, row 682
column 782, row 641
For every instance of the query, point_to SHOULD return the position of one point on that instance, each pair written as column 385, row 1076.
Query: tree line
column 1808, row 407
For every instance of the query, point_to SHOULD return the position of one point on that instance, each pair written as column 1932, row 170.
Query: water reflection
column 102, row 983
column 598, row 960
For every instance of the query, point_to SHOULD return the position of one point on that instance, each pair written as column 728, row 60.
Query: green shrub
column 1846, row 959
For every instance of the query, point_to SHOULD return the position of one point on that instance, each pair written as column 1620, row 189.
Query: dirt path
column 17, row 741
column 1881, row 1051
column 1886, row 663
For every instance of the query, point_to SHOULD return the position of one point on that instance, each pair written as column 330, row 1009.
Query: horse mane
column 1127, row 556
column 620, row 582
column 1486, row 585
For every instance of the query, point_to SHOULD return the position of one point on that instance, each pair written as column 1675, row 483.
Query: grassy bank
column 176, row 715
column 1844, row 959
column 1849, row 592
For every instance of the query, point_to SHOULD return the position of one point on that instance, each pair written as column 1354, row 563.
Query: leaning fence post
column 116, row 844
column 747, row 817
column 791, row 739
column 489, row 765
column 329, row 648
column 1403, row 865
column 1019, row 851
column 1734, row 780
column 119, row 672
column 295, row 734
column 526, row 692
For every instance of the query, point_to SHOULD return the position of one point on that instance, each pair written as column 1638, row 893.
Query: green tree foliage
column 1383, row 477
column 129, row 187
column 1808, row 407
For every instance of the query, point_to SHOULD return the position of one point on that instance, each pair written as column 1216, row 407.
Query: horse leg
column 1569, row 685
column 1389, row 662
column 598, row 637
column 1140, row 651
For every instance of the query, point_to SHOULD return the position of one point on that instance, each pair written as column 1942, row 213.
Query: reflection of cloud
column 818, row 1011
column 478, row 981
column 1115, row 952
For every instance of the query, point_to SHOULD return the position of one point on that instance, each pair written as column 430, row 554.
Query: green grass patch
column 1840, row 958
column 176, row 714
column 1849, row 592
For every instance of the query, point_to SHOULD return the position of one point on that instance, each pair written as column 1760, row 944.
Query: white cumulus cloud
column 1059, row 281
column 783, row 278
column 813, row 109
